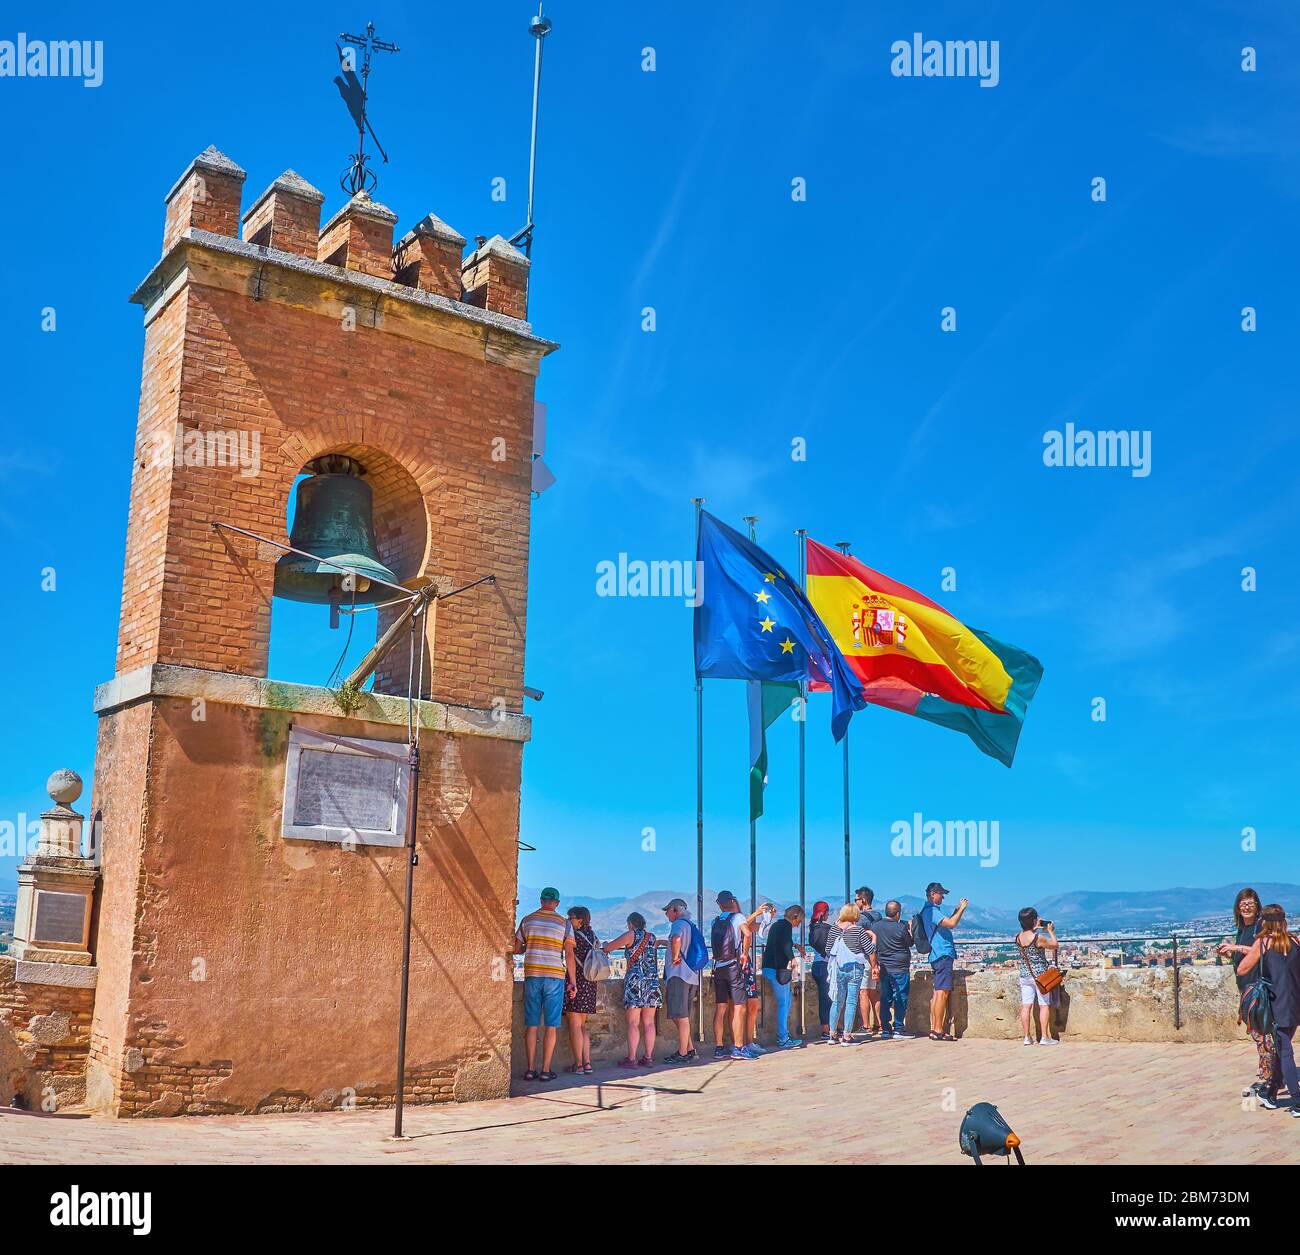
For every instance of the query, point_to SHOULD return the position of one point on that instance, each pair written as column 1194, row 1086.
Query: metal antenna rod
column 539, row 28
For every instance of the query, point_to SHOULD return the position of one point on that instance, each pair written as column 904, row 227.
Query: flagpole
column 699, row 769
column 803, row 728
column 751, row 519
column 843, row 547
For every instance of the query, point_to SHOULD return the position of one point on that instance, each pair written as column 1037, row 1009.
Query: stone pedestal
column 56, row 885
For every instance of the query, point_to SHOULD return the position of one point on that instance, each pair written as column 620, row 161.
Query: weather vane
column 358, row 177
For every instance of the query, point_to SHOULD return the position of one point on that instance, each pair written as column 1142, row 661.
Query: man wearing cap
column 869, row 994
column 540, row 939
column 943, row 954
column 729, row 936
column 680, row 981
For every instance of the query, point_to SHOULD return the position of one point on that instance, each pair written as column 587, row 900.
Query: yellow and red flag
column 913, row 656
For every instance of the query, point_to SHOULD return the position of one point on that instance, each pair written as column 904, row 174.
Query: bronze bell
column 333, row 519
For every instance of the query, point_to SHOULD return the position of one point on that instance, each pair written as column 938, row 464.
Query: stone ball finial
column 64, row 786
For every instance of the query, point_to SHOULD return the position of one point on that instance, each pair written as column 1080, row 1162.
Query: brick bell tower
column 248, row 945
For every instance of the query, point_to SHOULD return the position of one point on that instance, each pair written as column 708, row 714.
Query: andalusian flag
column 913, row 656
column 768, row 701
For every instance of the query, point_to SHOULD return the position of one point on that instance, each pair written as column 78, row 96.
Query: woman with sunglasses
column 1245, row 914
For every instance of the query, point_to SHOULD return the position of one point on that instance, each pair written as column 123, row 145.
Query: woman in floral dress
column 641, row 992
column 579, row 993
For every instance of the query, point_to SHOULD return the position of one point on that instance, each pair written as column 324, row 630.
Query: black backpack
column 1255, row 1010
column 920, row 938
column 723, row 939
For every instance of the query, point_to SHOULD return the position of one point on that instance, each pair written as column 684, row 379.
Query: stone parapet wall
column 44, row 1037
column 1100, row 1004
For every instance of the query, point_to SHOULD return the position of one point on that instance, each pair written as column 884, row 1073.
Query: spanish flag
column 913, row 656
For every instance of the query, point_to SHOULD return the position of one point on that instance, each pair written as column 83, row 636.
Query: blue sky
column 776, row 319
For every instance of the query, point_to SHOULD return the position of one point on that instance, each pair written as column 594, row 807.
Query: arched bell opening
column 360, row 508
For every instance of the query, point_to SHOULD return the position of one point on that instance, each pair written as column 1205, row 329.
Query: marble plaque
column 60, row 917
column 345, row 791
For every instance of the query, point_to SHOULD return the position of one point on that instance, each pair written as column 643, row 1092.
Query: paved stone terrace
column 1090, row 1102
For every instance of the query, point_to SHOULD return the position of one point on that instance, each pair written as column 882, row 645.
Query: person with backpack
column 932, row 935
column 681, row 977
column 729, row 936
column 641, row 994
column 580, row 993
column 778, row 955
column 1276, row 953
column 847, row 947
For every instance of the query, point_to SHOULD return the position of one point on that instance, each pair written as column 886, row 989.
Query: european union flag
column 753, row 622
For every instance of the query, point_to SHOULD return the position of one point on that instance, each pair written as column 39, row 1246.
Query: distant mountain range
column 1080, row 911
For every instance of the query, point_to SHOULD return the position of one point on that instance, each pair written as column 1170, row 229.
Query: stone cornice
column 188, row 683
column 67, row 975
column 263, row 273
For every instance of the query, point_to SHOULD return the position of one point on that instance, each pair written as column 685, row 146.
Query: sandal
column 627, row 1063
column 546, row 1076
column 647, row 1062
column 574, row 1069
column 942, row 1037
column 530, row 1075
column 587, row 1069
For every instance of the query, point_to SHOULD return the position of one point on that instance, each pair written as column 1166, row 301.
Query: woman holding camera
column 1037, row 954
column 1246, row 911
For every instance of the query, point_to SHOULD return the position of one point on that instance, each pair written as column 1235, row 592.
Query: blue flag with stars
column 753, row 622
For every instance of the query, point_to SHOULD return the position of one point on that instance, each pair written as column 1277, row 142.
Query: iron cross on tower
column 358, row 177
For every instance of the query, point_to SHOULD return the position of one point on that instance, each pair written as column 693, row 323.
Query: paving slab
column 902, row 1102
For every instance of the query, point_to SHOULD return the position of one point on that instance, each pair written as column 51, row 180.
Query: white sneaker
column 1049, row 1041
column 1029, row 1041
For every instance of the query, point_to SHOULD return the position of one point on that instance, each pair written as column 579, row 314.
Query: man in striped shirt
column 540, row 939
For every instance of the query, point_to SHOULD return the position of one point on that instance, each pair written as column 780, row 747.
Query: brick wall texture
column 44, row 1037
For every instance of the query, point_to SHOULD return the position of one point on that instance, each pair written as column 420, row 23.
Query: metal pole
column 699, row 764
column 539, row 27
column 751, row 519
column 1178, row 1011
column 843, row 547
column 803, row 727
column 848, row 892
column 412, row 857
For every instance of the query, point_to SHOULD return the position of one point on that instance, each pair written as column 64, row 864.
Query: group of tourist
column 861, row 962
column 1265, row 949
